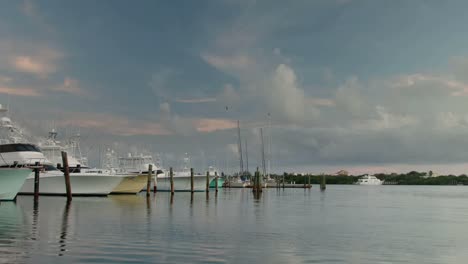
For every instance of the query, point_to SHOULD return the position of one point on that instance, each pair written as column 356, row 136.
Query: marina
column 341, row 225
column 232, row 132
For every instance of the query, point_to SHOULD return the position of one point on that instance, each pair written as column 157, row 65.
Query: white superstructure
column 136, row 163
column 369, row 180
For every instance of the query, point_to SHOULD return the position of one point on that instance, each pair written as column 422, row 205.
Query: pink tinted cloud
column 33, row 65
column 19, row 91
column 114, row 124
column 213, row 124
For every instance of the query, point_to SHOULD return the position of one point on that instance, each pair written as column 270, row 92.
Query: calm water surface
column 344, row 224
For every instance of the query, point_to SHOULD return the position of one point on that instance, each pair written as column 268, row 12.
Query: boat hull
column 81, row 184
column 11, row 181
column 220, row 183
column 131, row 184
column 182, row 183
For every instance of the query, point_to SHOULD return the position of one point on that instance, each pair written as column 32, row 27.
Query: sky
column 365, row 86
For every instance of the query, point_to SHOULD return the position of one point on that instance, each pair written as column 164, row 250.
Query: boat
column 137, row 168
column 369, row 180
column 19, row 152
column 212, row 171
column 182, row 179
column 52, row 150
column 11, row 181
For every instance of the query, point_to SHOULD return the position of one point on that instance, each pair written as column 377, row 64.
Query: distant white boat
column 369, row 180
column 182, row 179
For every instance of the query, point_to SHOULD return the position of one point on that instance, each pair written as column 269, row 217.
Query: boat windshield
column 18, row 147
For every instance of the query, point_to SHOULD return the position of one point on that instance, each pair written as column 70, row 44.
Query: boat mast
column 239, row 144
column 269, row 145
column 263, row 152
column 246, row 156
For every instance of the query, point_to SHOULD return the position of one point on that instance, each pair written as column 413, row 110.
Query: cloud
column 37, row 59
column 31, row 65
column 229, row 62
column 31, row 10
column 211, row 124
column 70, row 86
column 196, row 100
column 112, row 124
column 426, row 81
column 320, row 102
column 19, row 91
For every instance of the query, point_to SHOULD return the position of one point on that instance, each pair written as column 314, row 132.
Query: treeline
column 410, row 178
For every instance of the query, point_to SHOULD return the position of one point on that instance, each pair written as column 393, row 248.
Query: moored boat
column 369, row 180
column 11, row 181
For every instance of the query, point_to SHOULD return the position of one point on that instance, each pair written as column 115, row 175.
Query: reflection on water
column 345, row 224
column 64, row 229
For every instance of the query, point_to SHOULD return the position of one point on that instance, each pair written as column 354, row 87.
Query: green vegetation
column 410, row 178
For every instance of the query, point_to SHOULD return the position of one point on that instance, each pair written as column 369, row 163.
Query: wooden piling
column 308, row 181
column 284, row 180
column 323, row 183
column 171, row 174
column 222, row 176
column 207, row 181
column 148, row 182
column 216, row 181
column 36, row 181
column 155, row 185
column 66, row 174
column 191, row 181
column 305, row 183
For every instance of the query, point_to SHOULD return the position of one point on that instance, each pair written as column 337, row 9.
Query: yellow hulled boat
column 131, row 184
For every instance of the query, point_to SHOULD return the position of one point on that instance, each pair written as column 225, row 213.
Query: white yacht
column 369, row 180
column 137, row 164
column 17, row 151
column 52, row 149
column 13, row 170
column 182, row 179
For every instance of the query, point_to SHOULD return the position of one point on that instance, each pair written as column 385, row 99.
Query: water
column 344, row 224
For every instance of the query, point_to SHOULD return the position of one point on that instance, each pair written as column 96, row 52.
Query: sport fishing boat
column 11, row 180
column 78, row 167
column 369, row 180
column 52, row 150
column 17, row 151
column 137, row 168
column 182, row 179
column 212, row 171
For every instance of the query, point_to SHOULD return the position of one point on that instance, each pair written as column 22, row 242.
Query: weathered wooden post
column 171, row 175
column 284, row 180
column 191, row 181
column 216, row 181
column 148, row 182
column 308, row 181
column 323, row 183
column 260, row 181
column 36, row 181
column 207, row 181
column 66, row 173
column 155, row 186
column 222, row 176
